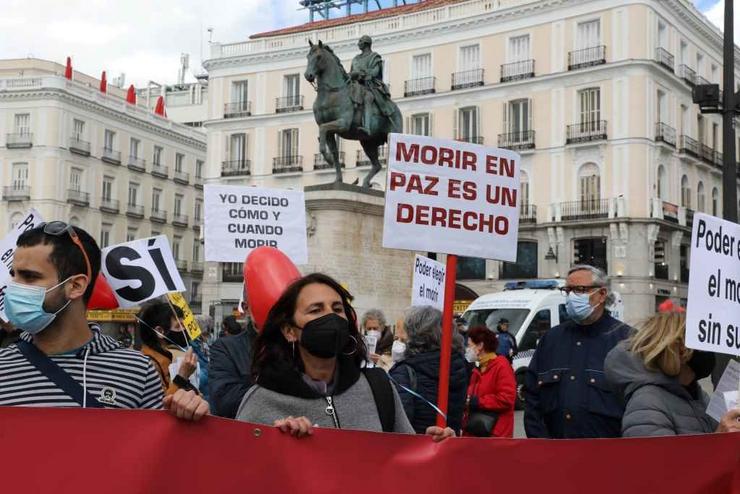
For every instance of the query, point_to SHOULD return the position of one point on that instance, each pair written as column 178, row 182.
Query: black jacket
column 229, row 372
column 425, row 371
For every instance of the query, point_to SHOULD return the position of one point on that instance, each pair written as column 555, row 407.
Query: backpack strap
column 383, row 395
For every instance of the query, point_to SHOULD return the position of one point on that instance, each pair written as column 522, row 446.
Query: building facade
column 594, row 94
column 91, row 159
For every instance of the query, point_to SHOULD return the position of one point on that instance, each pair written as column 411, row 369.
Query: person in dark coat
column 565, row 393
column 506, row 341
column 230, row 371
column 418, row 372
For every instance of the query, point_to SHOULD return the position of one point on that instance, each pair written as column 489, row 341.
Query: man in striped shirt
column 52, row 271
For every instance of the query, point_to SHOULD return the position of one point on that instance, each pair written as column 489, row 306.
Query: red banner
column 73, row 450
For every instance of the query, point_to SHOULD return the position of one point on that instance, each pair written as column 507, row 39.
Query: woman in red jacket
column 492, row 386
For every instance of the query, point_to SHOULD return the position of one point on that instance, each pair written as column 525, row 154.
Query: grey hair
column 599, row 276
column 376, row 314
column 204, row 321
column 423, row 326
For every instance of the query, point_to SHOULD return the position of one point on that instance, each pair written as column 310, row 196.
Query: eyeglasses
column 578, row 289
column 58, row 229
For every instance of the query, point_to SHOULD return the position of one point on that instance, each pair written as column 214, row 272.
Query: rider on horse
column 369, row 90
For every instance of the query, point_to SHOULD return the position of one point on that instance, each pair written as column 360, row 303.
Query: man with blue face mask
column 565, row 393
column 62, row 360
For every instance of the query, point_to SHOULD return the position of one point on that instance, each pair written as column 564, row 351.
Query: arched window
column 662, row 183
column 700, row 196
column 589, row 186
column 685, row 192
column 715, row 202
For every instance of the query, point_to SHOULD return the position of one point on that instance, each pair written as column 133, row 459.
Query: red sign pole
column 445, row 354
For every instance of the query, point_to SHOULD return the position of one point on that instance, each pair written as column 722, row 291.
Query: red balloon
column 102, row 296
column 267, row 273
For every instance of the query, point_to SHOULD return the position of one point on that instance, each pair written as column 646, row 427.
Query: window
column 75, row 179
column 131, row 234
column 179, row 160
column 524, row 190
column 519, row 48
column 588, row 34
column 661, row 109
column 591, row 251
column 133, row 193
column 469, row 58
column 198, row 210
column 157, row 158
column 156, row 197
column 662, row 35
column 685, row 192
column 20, row 175
column 590, row 108
column 700, row 200
column 107, row 188
column 134, row 148
column 715, row 136
column 700, row 129
column 659, row 265
column 23, row 123
column 237, row 147
column 714, row 75
column 684, row 52
column 199, row 168
column 699, row 64
column 715, row 202
column 155, row 233
column 78, row 129
column 421, row 66
column 471, row 268
column 239, row 94
column 525, row 265
column 540, row 324
column 683, row 123
column 176, row 241
column 291, row 87
column 684, row 263
column 105, row 230
column 467, row 124
column 194, row 291
column 288, row 142
column 518, row 119
column 589, row 187
column 178, row 204
column 662, row 183
column 421, row 124
column 108, row 140
column 196, row 250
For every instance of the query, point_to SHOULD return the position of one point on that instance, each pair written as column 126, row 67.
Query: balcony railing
column 687, row 74
column 158, row 215
column 363, row 160
column 594, row 130
column 587, row 57
column 232, row 273
column 196, row 267
column 134, row 210
column 589, row 209
column 109, row 205
column 180, row 220
column 664, row 58
column 198, row 182
column 527, row 213
column 19, row 141
column 78, row 198
column 707, row 154
column 467, row 78
column 78, row 146
column 160, row 171
column 701, row 81
column 136, row 164
column 471, row 139
column 689, row 147
column 16, row 193
column 111, row 156
column 719, row 160
column 286, row 104
column 181, row 177
column 287, row 164
column 182, row 264
column 517, row 140
column 320, row 163
column 238, row 109
column 416, row 87
column 665, row 133
column 515, row 71
column 689, row 217
column 235, row 168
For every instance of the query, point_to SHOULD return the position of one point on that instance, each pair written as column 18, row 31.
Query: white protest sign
column 428, row 287
column 713, row 311
column 452, row 197
column 141, row 270
column 727, row 385
column 7, row 252
column 239, row 219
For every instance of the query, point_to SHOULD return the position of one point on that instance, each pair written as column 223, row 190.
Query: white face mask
column 471, row 355
column 398, row 350
column 374, row 334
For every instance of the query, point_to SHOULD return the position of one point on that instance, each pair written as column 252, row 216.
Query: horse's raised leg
column 371, row 150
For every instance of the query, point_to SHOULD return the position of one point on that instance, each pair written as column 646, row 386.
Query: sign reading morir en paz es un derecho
column 451, row 197
column 239, row 219
column 713, row 312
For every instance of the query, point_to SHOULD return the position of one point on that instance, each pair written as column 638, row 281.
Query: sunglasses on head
column 58, row 229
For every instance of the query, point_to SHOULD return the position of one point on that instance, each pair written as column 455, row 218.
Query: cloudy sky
column 144, row 39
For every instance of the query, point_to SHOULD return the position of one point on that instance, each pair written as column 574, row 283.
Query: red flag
column 103, row 83
column 68, row 69
column 131, row 95
column 102, row 296
column 159, row 109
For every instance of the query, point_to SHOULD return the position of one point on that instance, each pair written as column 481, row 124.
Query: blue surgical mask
column 24, row 306
column 578, row 306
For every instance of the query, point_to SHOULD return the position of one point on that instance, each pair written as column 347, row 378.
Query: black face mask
column 702, row 363
column 176, row 337
column 326, row 336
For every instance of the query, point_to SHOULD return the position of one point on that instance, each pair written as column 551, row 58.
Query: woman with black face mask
column 309, row 368
column 658, row 375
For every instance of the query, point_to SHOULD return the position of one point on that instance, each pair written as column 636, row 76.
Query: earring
column 293, row 349
column 353, row 351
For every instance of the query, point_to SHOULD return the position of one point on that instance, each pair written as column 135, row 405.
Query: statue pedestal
column 345, row 234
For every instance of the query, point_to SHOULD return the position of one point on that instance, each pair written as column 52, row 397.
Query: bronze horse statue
column 337, row 114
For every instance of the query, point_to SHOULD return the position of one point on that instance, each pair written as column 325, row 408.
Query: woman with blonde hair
column 657, row 375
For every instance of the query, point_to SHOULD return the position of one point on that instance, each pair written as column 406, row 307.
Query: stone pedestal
column 345, row 234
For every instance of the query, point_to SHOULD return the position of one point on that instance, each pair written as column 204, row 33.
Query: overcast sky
column 144, row 39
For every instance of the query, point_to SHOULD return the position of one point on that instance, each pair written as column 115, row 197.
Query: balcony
column 196, row 224
column 287, row 104
column 159, row 170
column 700, row 81
column 320, row 163
column 238, row 109
column 180, row 220
column 17, row 192
column 182, row 264
column 235, row 168
column 198, row 183
column 158, row 216
column 516, row 71
column 287, row 164
column 136, row 164
column 527, row 213
column 594, row 130
column 363, row 160
column 517, row 140
column 78, row 198
column 471, row 139
column 134, row 211
column 590, row 209
column 19, row 141
column 180, row 177
column 664, row 58
column 110, row 156
column 719, row 160
column 466, row 79
column 196, row 267
column 707, row 154
column 688, row 75
column 689, row 147
column 689, row 217
column 417, row 87
column 588, row 57
column 665, row 133
column 78, row 146
column 232, row 272
column 108, row 205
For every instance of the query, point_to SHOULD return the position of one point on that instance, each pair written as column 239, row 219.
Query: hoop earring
column 355, row 350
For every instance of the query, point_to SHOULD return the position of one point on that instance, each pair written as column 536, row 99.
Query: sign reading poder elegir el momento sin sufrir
column 451, row 197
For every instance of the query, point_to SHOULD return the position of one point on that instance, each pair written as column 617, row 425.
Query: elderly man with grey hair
column 565, row 393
